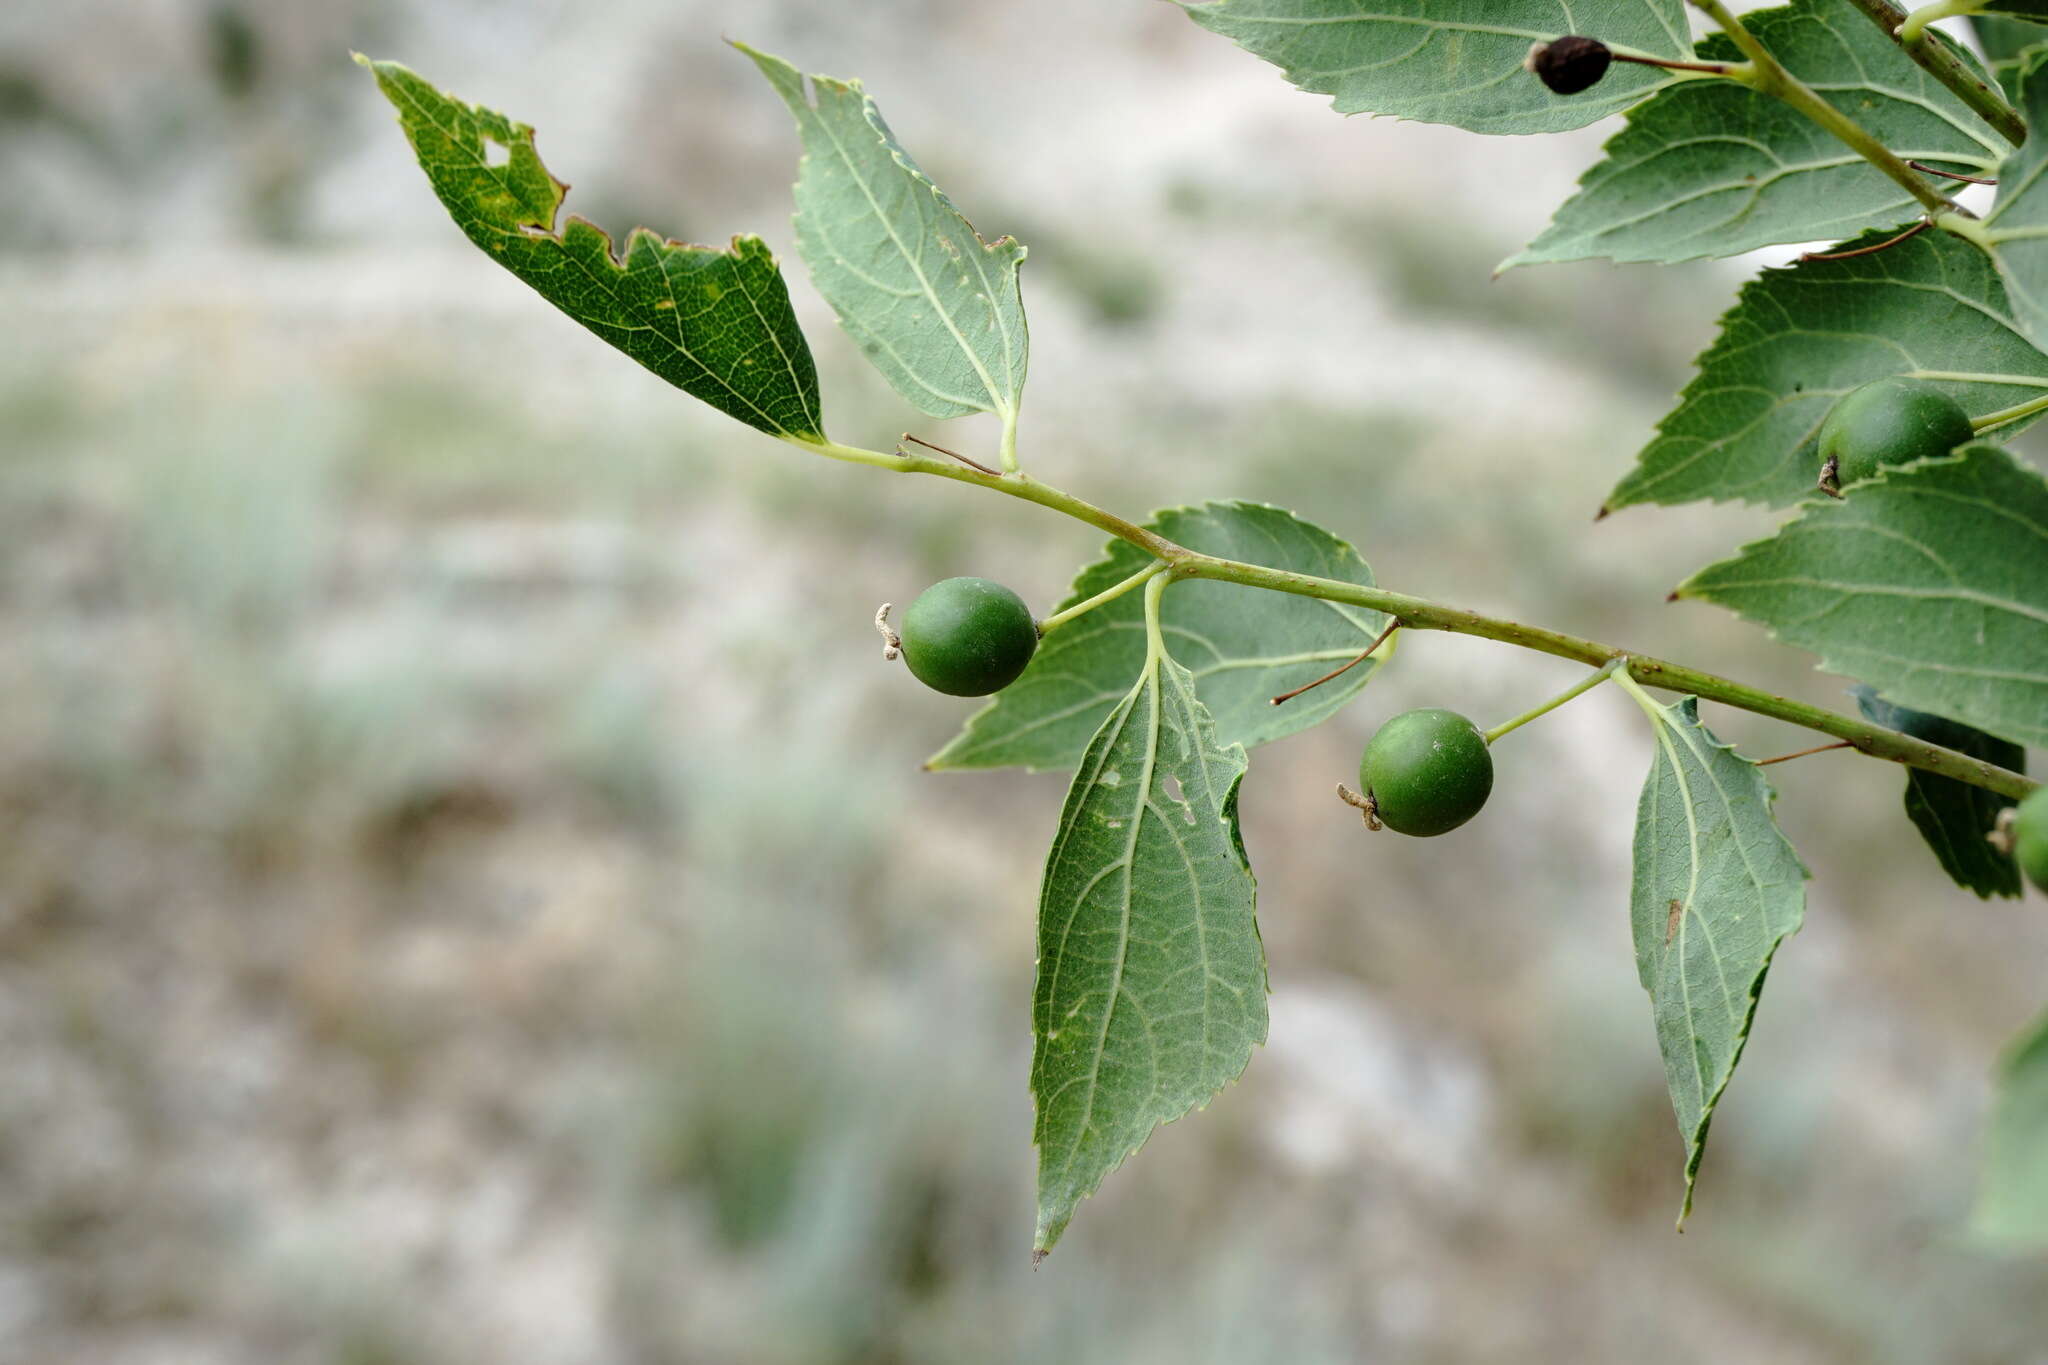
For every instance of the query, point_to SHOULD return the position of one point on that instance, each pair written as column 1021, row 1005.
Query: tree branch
column 1416, row 613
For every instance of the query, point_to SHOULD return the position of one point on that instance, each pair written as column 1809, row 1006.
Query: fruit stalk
column 1579, row 690
column 1060, row 618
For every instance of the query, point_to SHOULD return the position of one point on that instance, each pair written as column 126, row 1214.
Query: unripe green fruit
column 968, row 637
column 1427, row 772
column 1890, row 422
column 2030, row 837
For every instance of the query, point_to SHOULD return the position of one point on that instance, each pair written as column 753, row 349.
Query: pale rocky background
column 467, row 890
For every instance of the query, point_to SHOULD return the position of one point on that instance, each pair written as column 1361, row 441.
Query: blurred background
column 467, row 889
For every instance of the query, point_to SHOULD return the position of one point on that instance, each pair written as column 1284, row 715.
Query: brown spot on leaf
column 1671, row 923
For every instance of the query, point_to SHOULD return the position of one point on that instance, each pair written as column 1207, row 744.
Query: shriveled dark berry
column 1570, row 64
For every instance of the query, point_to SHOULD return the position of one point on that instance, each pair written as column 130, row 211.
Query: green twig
column 1939, row 60
column 1772, row 78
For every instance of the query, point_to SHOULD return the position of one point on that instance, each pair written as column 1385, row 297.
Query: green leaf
column 1798, row 339
column 1714, row 168
column 1245, row 645
column 1954, row 817
column 716, row 324
column 1930, row 583
column 1716, row 890
column 1451, row 61
column 2035, row 11
column 932, row 305
column 2015, row 232
column 1151, row 988
column 2004, row 42
column 2012, row 1195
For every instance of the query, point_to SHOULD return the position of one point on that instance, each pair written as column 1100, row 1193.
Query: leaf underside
column 2004, row 42
column 2012, row 1195
column 1151, row 982
column 1926, row 583
column 1715, row 168
column 1799, row 338
column 1243, row 645
column 716, row 324
column 2017, row 226
column 1451, row 61
column 933, row 306
column 1716, row 889
column 1955, row 817
column 2036, row 11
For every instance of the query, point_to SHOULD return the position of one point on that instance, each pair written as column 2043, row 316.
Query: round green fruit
column 968, row 637
column 1427, row 772
column 2030, row 837
column 1890, row 422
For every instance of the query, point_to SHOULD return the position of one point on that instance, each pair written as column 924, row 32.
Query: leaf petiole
column 1643, row 699
column 1579, row 689
column 1107, row 595
column 1155, row 637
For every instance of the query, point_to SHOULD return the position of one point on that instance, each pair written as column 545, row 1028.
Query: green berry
column 1427, row 772
column 1890, row 422
column 2030, row 837
column 968, row 637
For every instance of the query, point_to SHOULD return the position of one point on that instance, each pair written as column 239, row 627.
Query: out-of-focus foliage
column 446, row 919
